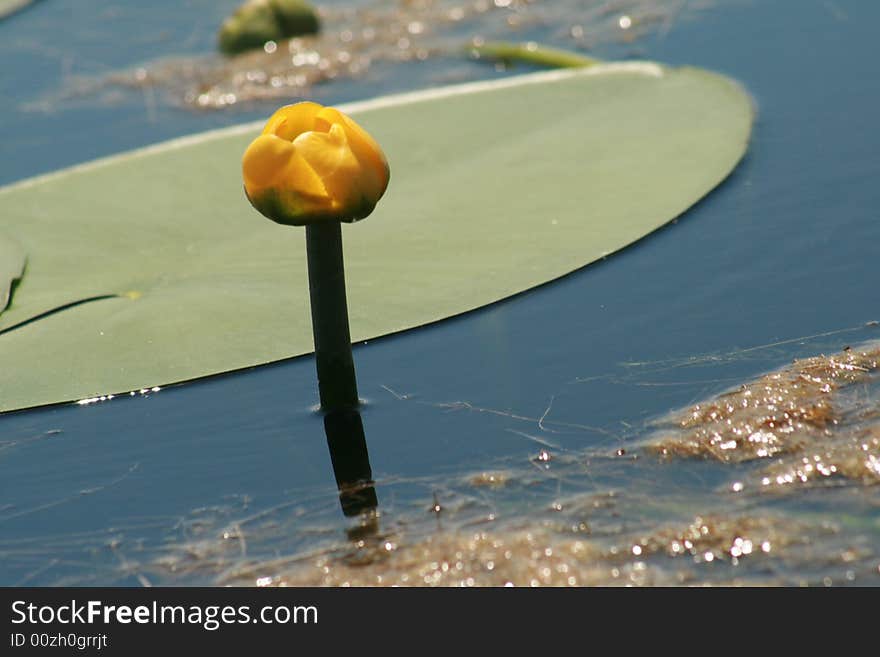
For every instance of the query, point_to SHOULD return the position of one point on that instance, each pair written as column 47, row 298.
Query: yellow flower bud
column 314, row 164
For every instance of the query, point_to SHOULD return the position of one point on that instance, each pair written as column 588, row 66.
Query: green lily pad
column 12, row 262
column 163, row 272
column 10, row 7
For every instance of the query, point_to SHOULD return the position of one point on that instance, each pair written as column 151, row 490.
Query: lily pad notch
column 13, row 263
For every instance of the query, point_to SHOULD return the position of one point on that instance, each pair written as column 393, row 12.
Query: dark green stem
column 336, row 378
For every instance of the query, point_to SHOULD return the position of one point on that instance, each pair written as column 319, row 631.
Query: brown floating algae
column 817, row 422
column 784, row 412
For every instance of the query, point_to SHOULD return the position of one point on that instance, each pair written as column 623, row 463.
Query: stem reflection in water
column 351, row 462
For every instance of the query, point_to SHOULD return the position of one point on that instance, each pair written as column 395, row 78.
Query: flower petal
column 281, row 184
column 331, row 158
column 364, row 147
column 291, row 121
column 313, row 164
column 264, row 160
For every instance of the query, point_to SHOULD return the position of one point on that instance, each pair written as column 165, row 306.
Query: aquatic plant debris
column 217, row 291
column 855, row 456
column 730, row 547
column 365, row 41
column 811, row 419
column 533, row 549
column 589, row 518
column 529, row 53
column 539, row 556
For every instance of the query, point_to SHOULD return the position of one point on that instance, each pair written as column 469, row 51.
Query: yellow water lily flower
column 313, row 164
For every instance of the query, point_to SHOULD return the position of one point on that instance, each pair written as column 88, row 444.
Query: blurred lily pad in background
column 496, row 188
column 257, row 22
column 10, row 7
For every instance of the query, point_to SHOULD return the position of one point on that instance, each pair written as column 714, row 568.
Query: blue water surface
column 782, row 257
